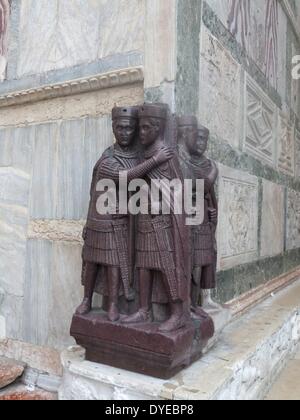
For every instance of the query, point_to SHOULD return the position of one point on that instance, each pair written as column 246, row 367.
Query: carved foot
column 85, row 307
column 113, row 313
column 175, row 323
column 194, row 314
column 139, row 317
column 209, row 306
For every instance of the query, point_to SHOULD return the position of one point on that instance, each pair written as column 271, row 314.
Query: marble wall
column 76, row 31
column 250, row 103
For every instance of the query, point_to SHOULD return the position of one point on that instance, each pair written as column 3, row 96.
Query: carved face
column 190, row 137
column 149, row 131
column 125, row 130
column 201, row 144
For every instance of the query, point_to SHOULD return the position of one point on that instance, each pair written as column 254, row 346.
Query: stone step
column 10, row 371
column 19, row 392
column 287, row 386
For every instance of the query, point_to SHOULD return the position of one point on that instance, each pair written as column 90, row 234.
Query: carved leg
column 177, row 320
column 195, row 289
column 145, row 312
column 208, row 283
column 90, row 277
column 208, row 304
column 113, row 280
column 178, row 311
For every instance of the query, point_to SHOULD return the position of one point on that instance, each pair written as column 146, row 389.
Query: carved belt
column 106, row 226
column 204, row 229
column 166, row 258
column 145, row 223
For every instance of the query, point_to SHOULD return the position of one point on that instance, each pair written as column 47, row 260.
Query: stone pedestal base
column 250, row 354
column 141, row 348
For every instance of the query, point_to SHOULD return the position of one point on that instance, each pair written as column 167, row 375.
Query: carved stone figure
column 106, row 237
column 143, row 342
column 192, row 143
column 161, row 239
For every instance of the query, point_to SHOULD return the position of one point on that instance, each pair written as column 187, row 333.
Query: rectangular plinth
column 140, row 348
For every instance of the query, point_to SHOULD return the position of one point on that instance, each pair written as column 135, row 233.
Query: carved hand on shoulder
column 164, row 155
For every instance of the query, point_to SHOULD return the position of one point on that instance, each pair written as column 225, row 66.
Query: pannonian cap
column 187, row 121
column 125, row 112
column 153, row 111
column 201, row 128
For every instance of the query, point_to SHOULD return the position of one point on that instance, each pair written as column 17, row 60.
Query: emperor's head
column 152, row 123
column 187, row 132
column 125, row 125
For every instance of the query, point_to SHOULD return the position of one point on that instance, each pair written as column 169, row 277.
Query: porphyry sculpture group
column 154, row 272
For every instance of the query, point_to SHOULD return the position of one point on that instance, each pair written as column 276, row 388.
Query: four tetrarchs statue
column 151, row 259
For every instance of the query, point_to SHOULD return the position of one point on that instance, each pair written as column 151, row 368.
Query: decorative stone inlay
column 74, row 87
column 272, row 225
column 219, row 100
column 220, row 82
column 238, row 226
column 261, row 122
column 293, row 220
column 286, row 145
column 56, row 230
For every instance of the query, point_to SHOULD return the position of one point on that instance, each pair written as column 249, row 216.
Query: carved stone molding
column 57, row 230
column 252, row 298
column 293, row 220
column 74, row 87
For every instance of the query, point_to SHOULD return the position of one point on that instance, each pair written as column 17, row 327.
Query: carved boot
column 208, row 304
column 113, row 312
column 178, row 319
column 145, row 314
column 85, row 307
column 89, row 274
column 142, row 316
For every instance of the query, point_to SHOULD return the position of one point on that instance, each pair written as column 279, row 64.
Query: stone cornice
column 289, row 12
column 73, row 87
